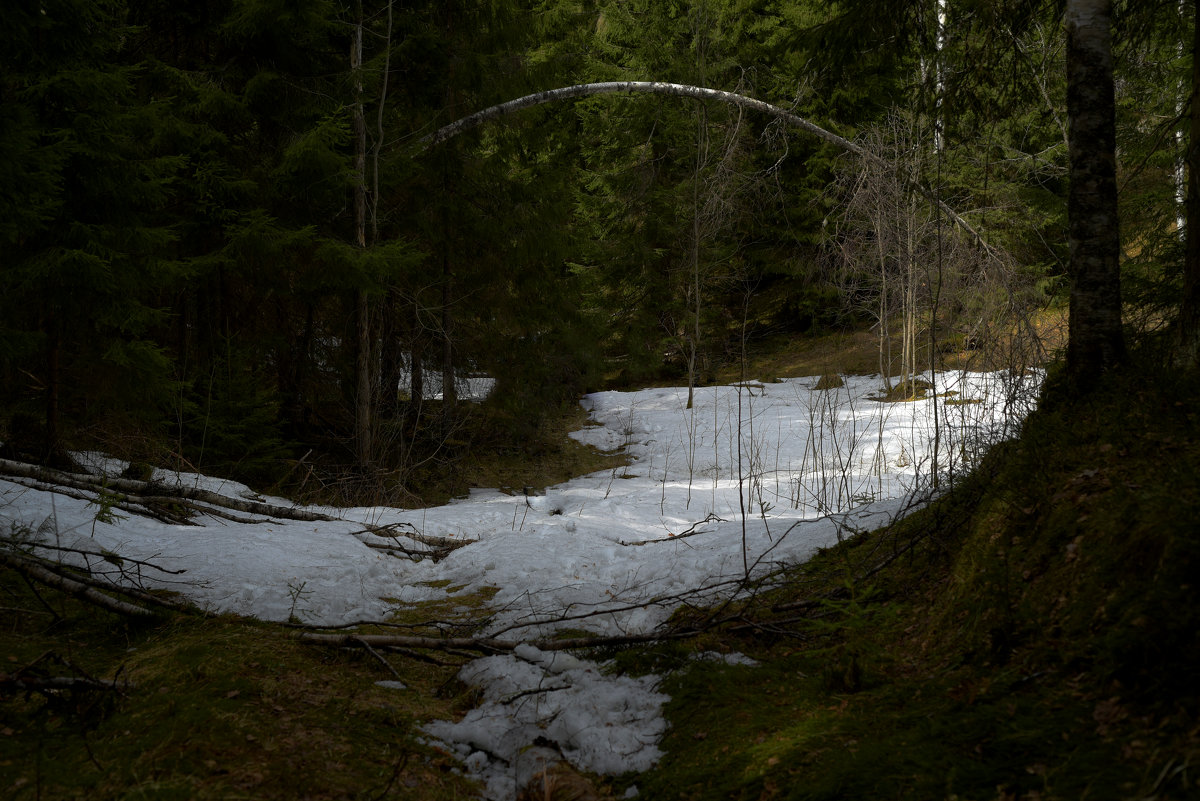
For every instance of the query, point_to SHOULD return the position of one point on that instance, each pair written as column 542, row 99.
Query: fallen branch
column 72, row 587
column 691, row 532
column 108, row 556
column 389, row 531
column 482, row 644
column 381, row 658
column 157, row 491
column 131, row 504
column 20, row 683
column 442, row 546
column 396, row 550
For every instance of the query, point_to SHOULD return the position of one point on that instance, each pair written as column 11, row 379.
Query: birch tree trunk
column 696, row 93
column 1095, row 340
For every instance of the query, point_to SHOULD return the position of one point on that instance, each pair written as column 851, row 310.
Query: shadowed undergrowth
column 1031, row 635
column 1034, row 635
column 216, row 708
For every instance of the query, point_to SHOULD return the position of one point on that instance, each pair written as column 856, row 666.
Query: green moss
column 905, row 391
column 1033, row 634
column 218, row 708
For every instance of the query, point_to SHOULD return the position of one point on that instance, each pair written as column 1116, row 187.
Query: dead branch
column 77, row 589
column 398, row 550
column 108, row 556
column 381, row 658
column 133, row 593
column 690, row 532
column 482, row 644
column 132, row 505
column 157, row 491
column 446, row 543
column 442, row 546
column 18, row 683
column 629, row 87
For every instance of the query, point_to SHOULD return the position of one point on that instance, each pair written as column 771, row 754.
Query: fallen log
column 76, row 589
column 483, row 644
column 157, row 490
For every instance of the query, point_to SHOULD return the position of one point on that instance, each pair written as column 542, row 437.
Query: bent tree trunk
column 629, row 87
column 682, row 90
column 1095, row 342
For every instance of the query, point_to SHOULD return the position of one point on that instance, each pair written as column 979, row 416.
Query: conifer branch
column 696, row 93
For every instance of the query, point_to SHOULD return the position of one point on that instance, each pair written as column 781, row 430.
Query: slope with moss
column 1033, row 634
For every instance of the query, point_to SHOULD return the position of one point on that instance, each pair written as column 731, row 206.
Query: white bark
column 71, row 587
column 942, row 7
column 681, row 90
column 151, row 489
column 631, row 87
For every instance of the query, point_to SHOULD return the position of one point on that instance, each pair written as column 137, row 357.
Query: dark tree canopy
column 227, row 239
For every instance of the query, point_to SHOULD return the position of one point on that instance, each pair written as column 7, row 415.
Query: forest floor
column 1034, row 637
column 1030, row 635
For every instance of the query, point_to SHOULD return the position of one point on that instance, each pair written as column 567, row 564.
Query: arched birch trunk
column 681, row 90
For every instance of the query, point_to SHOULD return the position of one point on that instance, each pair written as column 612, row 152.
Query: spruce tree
column 86, row 246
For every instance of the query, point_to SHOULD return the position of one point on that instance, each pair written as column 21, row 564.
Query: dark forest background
column 223, row 244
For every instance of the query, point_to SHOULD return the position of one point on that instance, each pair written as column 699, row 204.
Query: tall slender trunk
column 1095, row 341
column 1189, row 310
column 941, row 10
column 701, row 38
column 693, row 340
column 53, row 350
column 362, row 317
column 449, row 392
column 1181, row 139
column 416, row 358
column 390, row 357
column 379, row 131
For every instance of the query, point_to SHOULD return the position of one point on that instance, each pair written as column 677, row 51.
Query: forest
column 358, row 258
column 228, row 243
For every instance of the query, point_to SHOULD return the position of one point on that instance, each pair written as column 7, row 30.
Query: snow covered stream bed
column 754, row 476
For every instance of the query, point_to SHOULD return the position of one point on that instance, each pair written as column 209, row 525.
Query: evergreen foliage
column 221, row 190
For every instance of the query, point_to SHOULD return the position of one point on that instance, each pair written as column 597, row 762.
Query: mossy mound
column 911, row 389
column 829, row 381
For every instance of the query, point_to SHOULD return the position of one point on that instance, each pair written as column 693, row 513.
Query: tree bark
column 154, row 489
column 1189, row 310
column 449, row 390
column 484, row 644
column 1095, row 341
column 362, row 317
column 71, row 587
column 630, row 87
column 53, row 351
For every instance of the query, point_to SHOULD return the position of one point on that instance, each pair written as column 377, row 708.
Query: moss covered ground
column 209, row 708
column 1032, row 635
